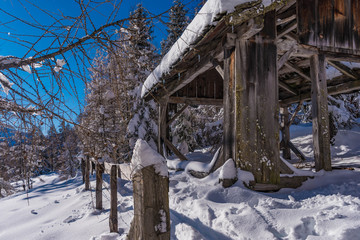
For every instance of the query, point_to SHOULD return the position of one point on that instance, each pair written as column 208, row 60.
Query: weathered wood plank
column 344, row 69
column 174, row 149
column 176, row 115
column 285, row 132
column 297, row 152
column 229, row 104
column 257, row 128
column 196, row 101
column 330, row 25
column 298, row 71
column 320, row 115
column 87, row 173
column 113, row 219
column 99, row 181
column 163, row 105
column 151, row 206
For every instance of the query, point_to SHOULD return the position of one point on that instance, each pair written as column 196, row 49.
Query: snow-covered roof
column 207, row 16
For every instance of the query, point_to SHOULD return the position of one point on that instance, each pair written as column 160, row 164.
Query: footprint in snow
column 56, row 201
column 34, row 212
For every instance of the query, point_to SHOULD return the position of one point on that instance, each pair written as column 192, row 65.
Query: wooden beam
column 290, row 27
column 320, row 115
column 176, row 115
column 184, row 78
column 196, row 101
column 288, row 88
column 285, row 57
column 297, row 109
column 218, row 67
column 254, row 26
column 174, row 149
column 297, row 152
column 333, row 90
column 342, row 57
column 298, row 71
column 344, row 69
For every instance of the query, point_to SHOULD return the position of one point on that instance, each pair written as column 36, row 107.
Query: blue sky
column 22, row 9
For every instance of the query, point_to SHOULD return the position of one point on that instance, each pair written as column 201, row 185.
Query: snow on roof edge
column 206, row 17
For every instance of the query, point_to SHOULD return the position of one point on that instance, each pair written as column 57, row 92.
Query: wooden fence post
column 83, row 169
column 285, row 132
column 87, row 173
column 113, row 220
column 151, row 206
column 99, row 180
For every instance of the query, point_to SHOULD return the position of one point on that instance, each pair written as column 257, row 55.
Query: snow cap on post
column 144, row 156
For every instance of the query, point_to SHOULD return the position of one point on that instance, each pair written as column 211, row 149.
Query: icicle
column 179, row 76
column 232, row 28
column 198, row 57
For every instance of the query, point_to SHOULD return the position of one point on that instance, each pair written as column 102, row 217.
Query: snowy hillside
column 326, row 207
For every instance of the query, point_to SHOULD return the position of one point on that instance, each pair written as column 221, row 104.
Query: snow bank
column 228, row 170
column 144, row 156
column 206, row 17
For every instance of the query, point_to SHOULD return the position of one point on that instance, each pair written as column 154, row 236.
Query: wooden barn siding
column 331, row 25
column 257, row 108
column 207, row 85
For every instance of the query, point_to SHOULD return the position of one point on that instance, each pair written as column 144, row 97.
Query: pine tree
column 142, row 58
column 176, row 25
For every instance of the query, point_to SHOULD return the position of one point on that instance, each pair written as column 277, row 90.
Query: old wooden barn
column 255, row 59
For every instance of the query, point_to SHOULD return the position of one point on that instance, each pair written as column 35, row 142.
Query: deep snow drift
column 326, row 207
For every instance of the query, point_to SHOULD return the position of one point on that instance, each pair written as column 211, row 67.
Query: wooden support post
column 151, row 206
column 162, row 124
column 229, row 103
column 320, row 115
column 113, row 220
column 99, row 180
column 285, row 132
column 257, row 106
column 87, row 173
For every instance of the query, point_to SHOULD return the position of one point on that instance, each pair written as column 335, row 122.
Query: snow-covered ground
column 326, row 207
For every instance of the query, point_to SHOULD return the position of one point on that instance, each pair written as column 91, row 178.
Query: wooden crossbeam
column 255, row 25
column 298, row 71
column 297, row 109
column 218, row 67
column 291, row 26
column 196, row 101
column 287, row 88
column 176, row 115
column 285, row 57
column 174, row 149
column 344, row 69
column 297, row 152
column 333, row 90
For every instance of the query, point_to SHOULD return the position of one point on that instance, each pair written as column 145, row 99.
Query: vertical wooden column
column 162, row 128
column 87, row 173
column 113, row 220
column 229, row 99
column 285, row 132
column 99, row 180
column 320, row 115
column 257, row 108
